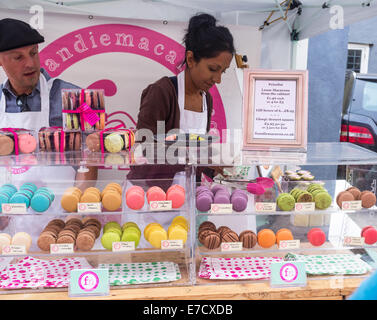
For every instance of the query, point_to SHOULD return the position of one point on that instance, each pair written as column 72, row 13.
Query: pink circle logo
column 88, row 281
column 54, row 248
column 259, row 206
column 215, row 208
column 82, row 207
column 6, row 208
column 154, row 205
column 165, row 244
column 116, row 245
column 346, row 205
column 298, row 206
column 288, row 272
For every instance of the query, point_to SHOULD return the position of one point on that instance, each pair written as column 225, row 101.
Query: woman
column 183, row 102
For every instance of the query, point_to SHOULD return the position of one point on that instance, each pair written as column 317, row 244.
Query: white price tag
column 171, row 244
column 354, row 241
column 265, row 206
column 61, row 248
column 289, row 244
column 14, row 208
column 123, row 246
column 13, row 249
column 221, row 208
column 304, row 206
column 160, row 205
column 90, row 207
column 351, row 205
column 231, row 246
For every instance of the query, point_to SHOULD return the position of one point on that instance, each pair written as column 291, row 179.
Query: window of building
column 358, row 57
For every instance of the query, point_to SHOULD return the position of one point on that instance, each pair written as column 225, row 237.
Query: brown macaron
column 344, row 196
column 355, row 192
column 92, row 142
column 207, row 225
column 6, row 145
column 229, row 236
column 45, row 239
column 212, row 240
column 221, row 230
column 248, row 239
column 368, row 199
column 58, row 222
column 85, row 241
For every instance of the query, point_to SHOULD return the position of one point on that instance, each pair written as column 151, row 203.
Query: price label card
column 289, row 244
column 231, row 246
column 304, row 206
column 90, row 207
column 354, row 241
column 14, row 208
column 160, row 205
column 351, row 205
column 265, row 206
column 288, row 274
column 61, row 248
column 123, row 246
column 171, row 244
column 89, row 282
column 13, row 250
column 221, row 208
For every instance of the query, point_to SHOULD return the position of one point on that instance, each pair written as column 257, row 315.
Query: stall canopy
column 302, row 19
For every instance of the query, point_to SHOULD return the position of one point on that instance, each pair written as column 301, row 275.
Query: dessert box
column 17, row 141
column 111, row 140
column 83, row 109
column 54, row 139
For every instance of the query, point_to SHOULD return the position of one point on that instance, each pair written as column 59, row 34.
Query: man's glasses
column 21, row 101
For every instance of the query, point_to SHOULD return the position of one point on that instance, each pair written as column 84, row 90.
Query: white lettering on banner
column 144, row 44
column 105, row 39
column 79, row 45
column 66, row 51
column 124, row 37
column 83, row 44
column 171, row 57
column 94, row 45
column 37, row 21
column 158, row 46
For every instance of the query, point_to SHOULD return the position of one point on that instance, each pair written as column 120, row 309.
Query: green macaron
column 322, row 200
column 285, row 202
column 108, row 238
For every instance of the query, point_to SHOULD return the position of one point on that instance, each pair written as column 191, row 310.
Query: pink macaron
column 177, row 195
column 135, row 197
column 26, row 143
column 155, row 194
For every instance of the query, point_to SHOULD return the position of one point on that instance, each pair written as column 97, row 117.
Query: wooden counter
column 334, row 289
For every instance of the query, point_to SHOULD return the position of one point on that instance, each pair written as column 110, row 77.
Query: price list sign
column 275, row 109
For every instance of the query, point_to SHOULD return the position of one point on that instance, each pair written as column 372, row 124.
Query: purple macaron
column 203, row 202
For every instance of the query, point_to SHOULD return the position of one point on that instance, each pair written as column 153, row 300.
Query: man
column 29, row 97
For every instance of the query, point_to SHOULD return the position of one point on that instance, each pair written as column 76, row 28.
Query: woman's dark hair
column 205, row 39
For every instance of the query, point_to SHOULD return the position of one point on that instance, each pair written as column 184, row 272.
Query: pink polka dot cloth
column 30, row 272
column 255, row 268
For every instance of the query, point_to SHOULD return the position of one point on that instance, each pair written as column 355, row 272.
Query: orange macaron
column 283, row 234
column 266, row 238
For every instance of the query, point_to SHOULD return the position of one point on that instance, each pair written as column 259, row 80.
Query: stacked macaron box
column 17, row 141
column 83, row 109
column 57, row 140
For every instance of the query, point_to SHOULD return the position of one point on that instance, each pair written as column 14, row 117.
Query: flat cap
column 17, row 34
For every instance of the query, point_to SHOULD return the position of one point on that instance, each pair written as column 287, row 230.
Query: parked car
column 359, row 115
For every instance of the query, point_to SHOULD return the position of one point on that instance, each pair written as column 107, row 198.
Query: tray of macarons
column 187, row 139
column 17, row 141
column 36, row 199
column 156, row 196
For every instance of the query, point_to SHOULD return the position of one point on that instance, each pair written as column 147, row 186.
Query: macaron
column 6, row 145
column 248, row 239
column 177, row 232
column 203, row 202
column 22, row 238
column 92, row 142
column 344, row 196
column 355, row 192
column 111, row 200
column 135, row 198
column 239, row 203
column 5, row 240
column 316, row 237
column 26, row 143
column 113, row 143
column 40, row 202
column 155, row 194
column 283, row 234
column 322, row 200
column 229, row 236
column 108, row 238
column 368, row 199
column 177, row 195
column 210, row 239
column 131, row 234
column 149, row 227
column 70, row 199
column 156, row 235
column 255, row 188
column 370, row 235
column 285, row 202
column 266, row 238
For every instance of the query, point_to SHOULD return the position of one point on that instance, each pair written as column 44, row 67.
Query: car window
column 366, row 96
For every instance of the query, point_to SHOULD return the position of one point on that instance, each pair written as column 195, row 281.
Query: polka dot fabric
column 255, row 268
column 34, row 273
column 142, row 273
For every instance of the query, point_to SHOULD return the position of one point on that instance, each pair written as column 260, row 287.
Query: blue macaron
column 40, row 202
column 20, row 197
